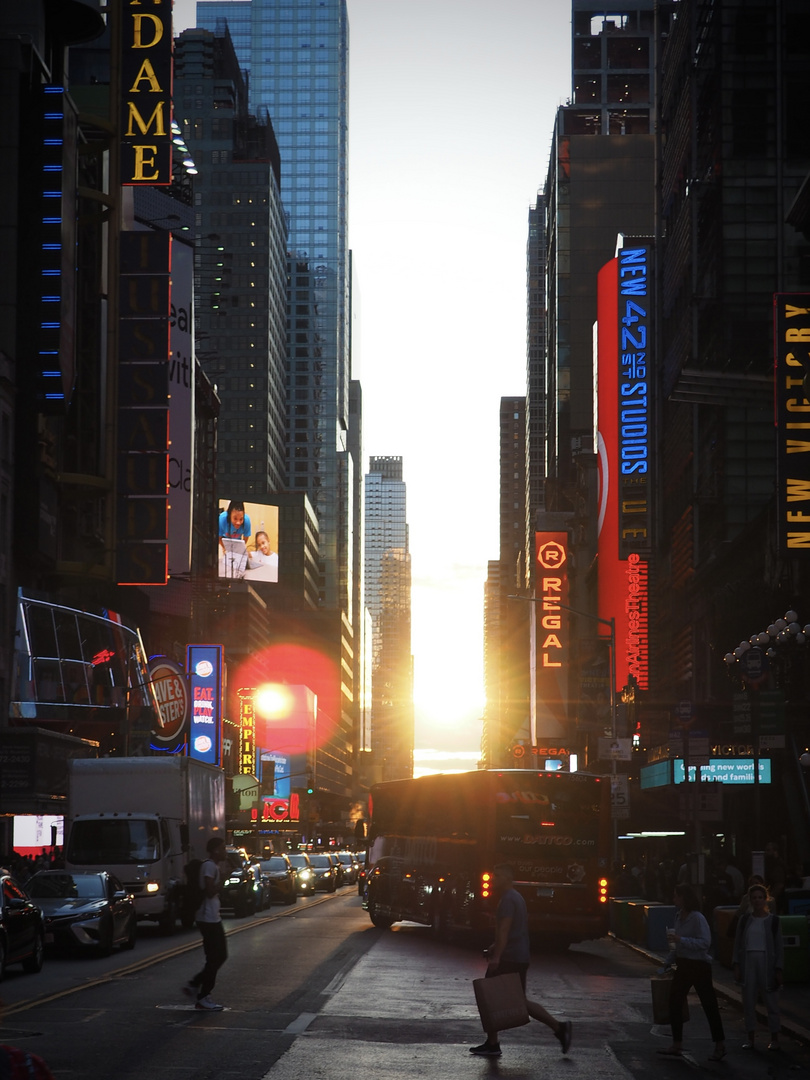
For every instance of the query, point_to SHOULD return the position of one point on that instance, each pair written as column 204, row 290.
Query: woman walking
column 759, row 956
column 691, row 942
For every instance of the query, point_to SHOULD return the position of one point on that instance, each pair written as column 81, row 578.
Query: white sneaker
column 209, row 1005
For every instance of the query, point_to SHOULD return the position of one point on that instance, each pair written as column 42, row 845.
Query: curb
column 789, row 1025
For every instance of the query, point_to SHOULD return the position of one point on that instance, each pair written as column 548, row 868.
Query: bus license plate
column 546, row 891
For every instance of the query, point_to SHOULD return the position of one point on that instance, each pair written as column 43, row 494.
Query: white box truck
column 143, row 819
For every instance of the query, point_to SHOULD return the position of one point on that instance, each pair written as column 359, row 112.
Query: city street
column 315, row 991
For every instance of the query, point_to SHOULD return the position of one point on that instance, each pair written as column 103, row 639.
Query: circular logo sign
column 202, row 744
column 551, row 555
column 171, row 690
column 204, row 668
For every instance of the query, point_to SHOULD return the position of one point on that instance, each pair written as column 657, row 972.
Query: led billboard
column 247, row 541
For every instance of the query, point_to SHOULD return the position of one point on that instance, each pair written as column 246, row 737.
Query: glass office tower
column 296, row 54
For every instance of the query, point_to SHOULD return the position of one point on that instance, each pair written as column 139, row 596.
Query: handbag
column 501, row 1002
column 659, row 985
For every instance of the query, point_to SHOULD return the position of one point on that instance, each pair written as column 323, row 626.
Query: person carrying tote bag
column 759, row 957
column 690, row 953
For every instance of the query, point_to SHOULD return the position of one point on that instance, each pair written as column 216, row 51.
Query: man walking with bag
column 512, row 953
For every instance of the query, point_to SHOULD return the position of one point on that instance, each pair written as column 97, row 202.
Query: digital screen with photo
column 247, row 541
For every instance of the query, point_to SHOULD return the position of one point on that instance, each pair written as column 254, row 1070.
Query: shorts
column 508, row 967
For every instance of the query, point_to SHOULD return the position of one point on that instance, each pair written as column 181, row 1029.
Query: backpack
column 18, row 1064
column 194, row 893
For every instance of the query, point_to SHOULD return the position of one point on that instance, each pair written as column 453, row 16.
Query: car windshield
column 320, row 860
column 275, row 863
column 348, row 860
column 107, row 841
column 299, row 860
column 66, row 887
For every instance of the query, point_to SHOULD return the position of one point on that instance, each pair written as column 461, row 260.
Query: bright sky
column 452, row 106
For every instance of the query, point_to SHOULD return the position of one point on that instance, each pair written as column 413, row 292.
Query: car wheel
column 129, row 940
column 33, row 963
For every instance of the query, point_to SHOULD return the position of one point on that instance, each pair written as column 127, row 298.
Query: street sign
column 772, row 742
column 616, row 749
column 701, row 802
column 619, row 798
column 698, row 750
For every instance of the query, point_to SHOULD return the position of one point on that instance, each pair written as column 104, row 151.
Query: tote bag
column 660, row 984
column 501, row 1002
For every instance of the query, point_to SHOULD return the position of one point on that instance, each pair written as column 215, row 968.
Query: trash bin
column 724, row 927
column 635, row 921
column 620, row 916
column 657, row 917
column 795, row 937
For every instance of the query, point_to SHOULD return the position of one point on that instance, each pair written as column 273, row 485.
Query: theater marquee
column 791, row 369
column 146, row 92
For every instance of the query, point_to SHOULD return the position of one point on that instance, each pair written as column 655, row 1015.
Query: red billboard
column 623, row 383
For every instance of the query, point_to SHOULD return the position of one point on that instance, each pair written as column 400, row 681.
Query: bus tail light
column 486, row 886
column 603, row 890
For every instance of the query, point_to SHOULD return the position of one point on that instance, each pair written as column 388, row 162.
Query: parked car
column 22, row 929
column 85, row 908
column 241, row 890
column 324, row 871
column 304, row 874
column 351, row 867
column 278, row 877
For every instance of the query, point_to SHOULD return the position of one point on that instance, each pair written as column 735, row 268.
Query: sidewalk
column 794, row 998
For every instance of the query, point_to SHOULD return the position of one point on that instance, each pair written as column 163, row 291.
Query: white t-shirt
column 208, row 910
column 755, row 935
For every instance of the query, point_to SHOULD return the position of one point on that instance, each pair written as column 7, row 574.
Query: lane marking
column 300, row 1024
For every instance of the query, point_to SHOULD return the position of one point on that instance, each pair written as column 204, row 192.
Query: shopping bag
column 501, row 1002
column 660, row 984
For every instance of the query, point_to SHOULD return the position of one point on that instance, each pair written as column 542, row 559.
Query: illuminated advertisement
column 623, row 459
column 549, row 633
column 204, row 664
column 634, row 401
column 247, row 541
column 247, row 731
column 791, row 365
column 146, row 93
column 171, row 691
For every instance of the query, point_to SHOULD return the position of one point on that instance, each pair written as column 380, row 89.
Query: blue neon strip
column 51, row 273
column 51, row 221
column 51, row 168
column 48, row 352
column 49, row 326
column 54, row 116
column 52, row 142
column 51, row 247
column 54, row 89
column 54, row 397
column 52, row 374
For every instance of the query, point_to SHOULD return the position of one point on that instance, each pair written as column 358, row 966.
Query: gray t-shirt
column 512, row 905
column 209, row 909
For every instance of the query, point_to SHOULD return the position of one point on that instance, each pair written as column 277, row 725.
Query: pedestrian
column 209, row 922
column 689, row 947
column 511, row 953
column 759, row 957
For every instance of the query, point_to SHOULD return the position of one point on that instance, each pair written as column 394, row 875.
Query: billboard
column 204, row 665
column 146, row 93
column 247, row 541
column 791, row 324
column 549, row 634
column 624, row 405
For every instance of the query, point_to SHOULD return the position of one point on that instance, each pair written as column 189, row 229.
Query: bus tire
column 384, row 922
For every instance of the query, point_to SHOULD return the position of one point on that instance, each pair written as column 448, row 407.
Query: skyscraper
column 388, row 599
column 297, row 59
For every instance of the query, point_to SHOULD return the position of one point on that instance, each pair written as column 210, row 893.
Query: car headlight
column 152, row 886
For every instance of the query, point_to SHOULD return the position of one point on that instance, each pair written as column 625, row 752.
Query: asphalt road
column 314, row 991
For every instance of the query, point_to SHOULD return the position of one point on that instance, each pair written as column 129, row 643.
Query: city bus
column 434, row 841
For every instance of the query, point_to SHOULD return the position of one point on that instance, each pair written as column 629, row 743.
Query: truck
column 144, row 819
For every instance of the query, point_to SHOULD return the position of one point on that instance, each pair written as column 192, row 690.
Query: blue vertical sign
column 204, row 665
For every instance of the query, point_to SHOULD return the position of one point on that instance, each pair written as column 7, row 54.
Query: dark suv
column 241, row 890
column 22, row 929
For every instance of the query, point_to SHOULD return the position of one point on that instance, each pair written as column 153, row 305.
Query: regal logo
column 146, row 92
